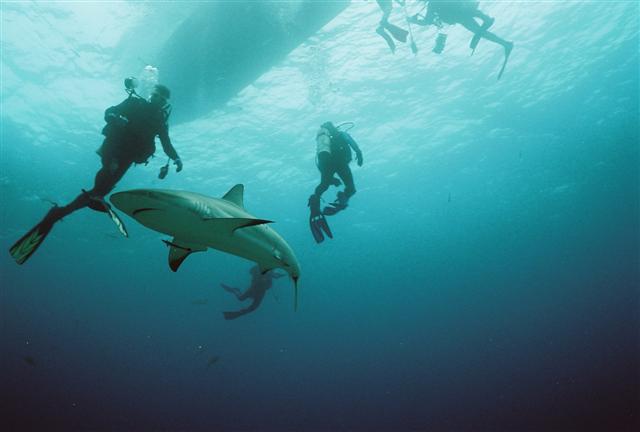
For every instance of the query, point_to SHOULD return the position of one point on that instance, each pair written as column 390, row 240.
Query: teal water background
column 485, row 276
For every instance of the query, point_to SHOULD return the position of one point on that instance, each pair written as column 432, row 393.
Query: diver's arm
column 428, row 18
column 354, row 145
column 115, row 114
column 169, row 149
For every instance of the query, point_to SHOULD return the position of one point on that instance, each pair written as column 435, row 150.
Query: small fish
column 213, row 360
column 29, row 360
column 200, row 302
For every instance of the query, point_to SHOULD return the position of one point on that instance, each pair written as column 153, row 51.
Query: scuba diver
column 129, row 139
column 385, row 26
column 463, row 12
column 260, row 283
column 333, row 153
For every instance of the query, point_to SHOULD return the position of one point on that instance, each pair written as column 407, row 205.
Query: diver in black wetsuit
column 129, row 138
column 388, row 30
column 260, row 283
column 441, row 12
column 333, row 151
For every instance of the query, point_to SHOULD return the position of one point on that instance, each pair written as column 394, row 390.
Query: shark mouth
column 141, row 210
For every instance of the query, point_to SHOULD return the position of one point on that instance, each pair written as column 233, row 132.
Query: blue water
column 484, row 278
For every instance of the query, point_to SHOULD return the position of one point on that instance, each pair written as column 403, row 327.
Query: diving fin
column 333, row 208
column 338, row 205
column 398, row 33
column 233, row 315
column 315, row 230
column 99, row 204
column 319, row 227
column 29, row 243
column 317, row 222
column 387, row 38
column 507, row 52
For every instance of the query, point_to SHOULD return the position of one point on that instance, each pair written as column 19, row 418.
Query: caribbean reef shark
column 197, row 222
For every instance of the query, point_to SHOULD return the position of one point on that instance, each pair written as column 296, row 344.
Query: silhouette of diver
column 130, row 132
column 260, row 283
column 387, row 30
column 462, row 12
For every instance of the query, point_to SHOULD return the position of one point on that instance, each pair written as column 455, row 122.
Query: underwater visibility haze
column 484, row 277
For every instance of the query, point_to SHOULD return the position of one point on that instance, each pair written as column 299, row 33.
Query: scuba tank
column 441, row 40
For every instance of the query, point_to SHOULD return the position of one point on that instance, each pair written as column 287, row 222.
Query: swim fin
column 99, row 204
column 31, row 241
column 333, row 208
column 233, row 315
column 398, row 33
column 319, row 227
column 507, row 52
column 387, row 38
column 315, row 231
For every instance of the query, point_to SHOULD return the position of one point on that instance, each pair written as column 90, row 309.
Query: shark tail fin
column 179, row 251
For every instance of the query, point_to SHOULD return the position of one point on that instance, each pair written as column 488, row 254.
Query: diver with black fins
column 464, row 12
column 260, row 284
column 333, row 154
column 129, row 139
column 385, row 26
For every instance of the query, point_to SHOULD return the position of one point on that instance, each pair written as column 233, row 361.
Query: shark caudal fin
column 180, row 250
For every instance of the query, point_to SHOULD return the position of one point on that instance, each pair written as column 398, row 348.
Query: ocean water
column 485, row 276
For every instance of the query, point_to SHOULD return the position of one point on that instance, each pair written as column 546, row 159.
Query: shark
column 197, row 222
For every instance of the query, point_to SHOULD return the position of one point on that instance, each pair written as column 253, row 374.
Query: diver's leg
column 342, row 198
column 106, row 179
column 385, row 26
column 481, row 32
column 236, row 314
column 386, row 6
column 487, row 21
column 103, row 180
column 497, row 39
column 233, row 290
column 344, row 172
column 470, row 24
column 245, row 295
column 325, row 165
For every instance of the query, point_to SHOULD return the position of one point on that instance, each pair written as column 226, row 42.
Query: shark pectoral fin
column 180, row 250
column 232, row 224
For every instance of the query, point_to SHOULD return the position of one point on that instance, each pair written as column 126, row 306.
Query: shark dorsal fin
column 235, row 195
